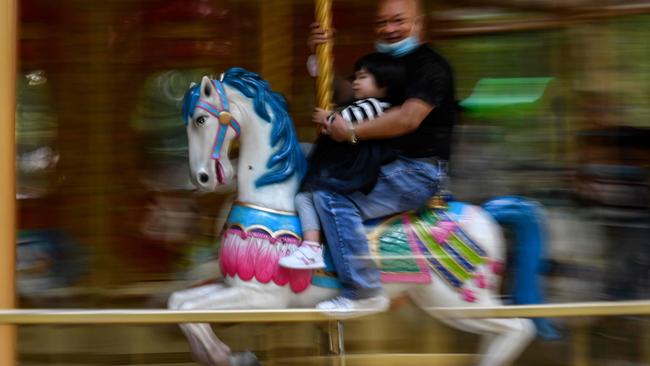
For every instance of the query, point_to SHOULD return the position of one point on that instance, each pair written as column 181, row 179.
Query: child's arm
column 320, row 115
column 394, row 122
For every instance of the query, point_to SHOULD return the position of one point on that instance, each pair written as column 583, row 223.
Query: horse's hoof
column 244, row 359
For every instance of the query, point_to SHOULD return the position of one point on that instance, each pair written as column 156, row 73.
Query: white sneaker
column 342, row 307
column 308, row 256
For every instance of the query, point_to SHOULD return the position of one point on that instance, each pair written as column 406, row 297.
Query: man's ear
column 419, row 25
column 419, row 28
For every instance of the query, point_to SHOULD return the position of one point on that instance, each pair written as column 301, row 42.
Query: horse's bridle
column 224, row 116
column 226, row 120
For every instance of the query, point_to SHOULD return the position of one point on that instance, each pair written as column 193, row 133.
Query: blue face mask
column 400, row 48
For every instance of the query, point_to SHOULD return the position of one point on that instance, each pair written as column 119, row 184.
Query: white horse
column 262, row 225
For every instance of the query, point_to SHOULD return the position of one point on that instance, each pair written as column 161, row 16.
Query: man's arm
column 395, row 122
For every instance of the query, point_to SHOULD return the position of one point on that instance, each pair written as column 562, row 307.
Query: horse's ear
column 207, row 89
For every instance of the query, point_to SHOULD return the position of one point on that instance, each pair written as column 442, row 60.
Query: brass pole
column 580, row 345
column 163, row 316
column 8, row 68
column 324, row 56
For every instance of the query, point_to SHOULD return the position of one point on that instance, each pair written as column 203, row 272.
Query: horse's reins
column 225, row 118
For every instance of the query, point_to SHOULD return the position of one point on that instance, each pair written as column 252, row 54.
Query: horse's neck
column 254, row 152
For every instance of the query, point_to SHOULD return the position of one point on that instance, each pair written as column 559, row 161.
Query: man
column 420, row 130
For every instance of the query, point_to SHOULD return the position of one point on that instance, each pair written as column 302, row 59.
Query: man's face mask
column 400, row 48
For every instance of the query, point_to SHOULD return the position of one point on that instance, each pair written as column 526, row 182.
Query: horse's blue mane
column 288, row 159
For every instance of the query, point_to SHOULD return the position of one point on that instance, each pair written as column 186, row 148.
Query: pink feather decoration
column 481, row 280
column 281, row 276
column 267, row 261
column 496, row 267
column 300, row 279
column 246, row 259
column 228, row 254
column 468, row 295
column 255, row 255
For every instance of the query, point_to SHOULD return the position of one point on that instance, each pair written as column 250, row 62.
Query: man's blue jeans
column 404, row 184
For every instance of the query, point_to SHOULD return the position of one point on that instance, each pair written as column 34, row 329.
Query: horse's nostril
column 204, row 177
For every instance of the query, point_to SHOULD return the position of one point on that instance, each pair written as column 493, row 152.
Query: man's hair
column 419, row 6
column 388, row 73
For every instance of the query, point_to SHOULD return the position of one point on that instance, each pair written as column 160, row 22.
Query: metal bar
column 645, row 344
column 178, row 358
column 379, row 359
column 8, row 68
column 578, row 309
column 127, row 316
column 157, row 316
column 580, row 345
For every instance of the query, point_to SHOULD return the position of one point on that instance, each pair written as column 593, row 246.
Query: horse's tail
column 527, row 220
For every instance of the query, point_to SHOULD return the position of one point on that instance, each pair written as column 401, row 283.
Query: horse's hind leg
column 503, row 340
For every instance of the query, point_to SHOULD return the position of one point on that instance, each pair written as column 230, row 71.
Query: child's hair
column 388, row 73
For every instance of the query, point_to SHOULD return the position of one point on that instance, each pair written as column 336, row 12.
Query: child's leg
column 311, row 235
column 308, row 216
column 310, row 254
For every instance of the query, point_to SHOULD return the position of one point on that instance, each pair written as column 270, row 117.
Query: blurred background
column 555, row 106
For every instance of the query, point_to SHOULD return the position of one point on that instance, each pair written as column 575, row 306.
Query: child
column 342, row 166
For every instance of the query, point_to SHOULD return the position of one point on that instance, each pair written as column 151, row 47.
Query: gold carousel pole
column 324, row 55
column 324, row 101
column 8, row 60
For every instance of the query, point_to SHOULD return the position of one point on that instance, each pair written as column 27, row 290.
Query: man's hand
column 318, row 36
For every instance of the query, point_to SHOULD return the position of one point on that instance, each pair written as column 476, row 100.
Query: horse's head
column 240, row 104
column 210, row 129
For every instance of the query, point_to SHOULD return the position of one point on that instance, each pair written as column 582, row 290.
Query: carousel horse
column 438, row 257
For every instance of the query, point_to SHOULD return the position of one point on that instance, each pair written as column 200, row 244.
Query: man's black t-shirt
column 430, row 79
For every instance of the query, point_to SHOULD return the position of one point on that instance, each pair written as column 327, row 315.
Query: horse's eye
column 200, row 121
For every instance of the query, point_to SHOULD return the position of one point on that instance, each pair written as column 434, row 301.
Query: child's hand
column 320, row 116
column 338, row 129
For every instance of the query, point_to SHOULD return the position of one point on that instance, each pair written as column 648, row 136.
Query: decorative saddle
column 408, row 248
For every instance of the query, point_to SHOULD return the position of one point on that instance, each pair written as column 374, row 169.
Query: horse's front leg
column 197, row 336
column 208, row 349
